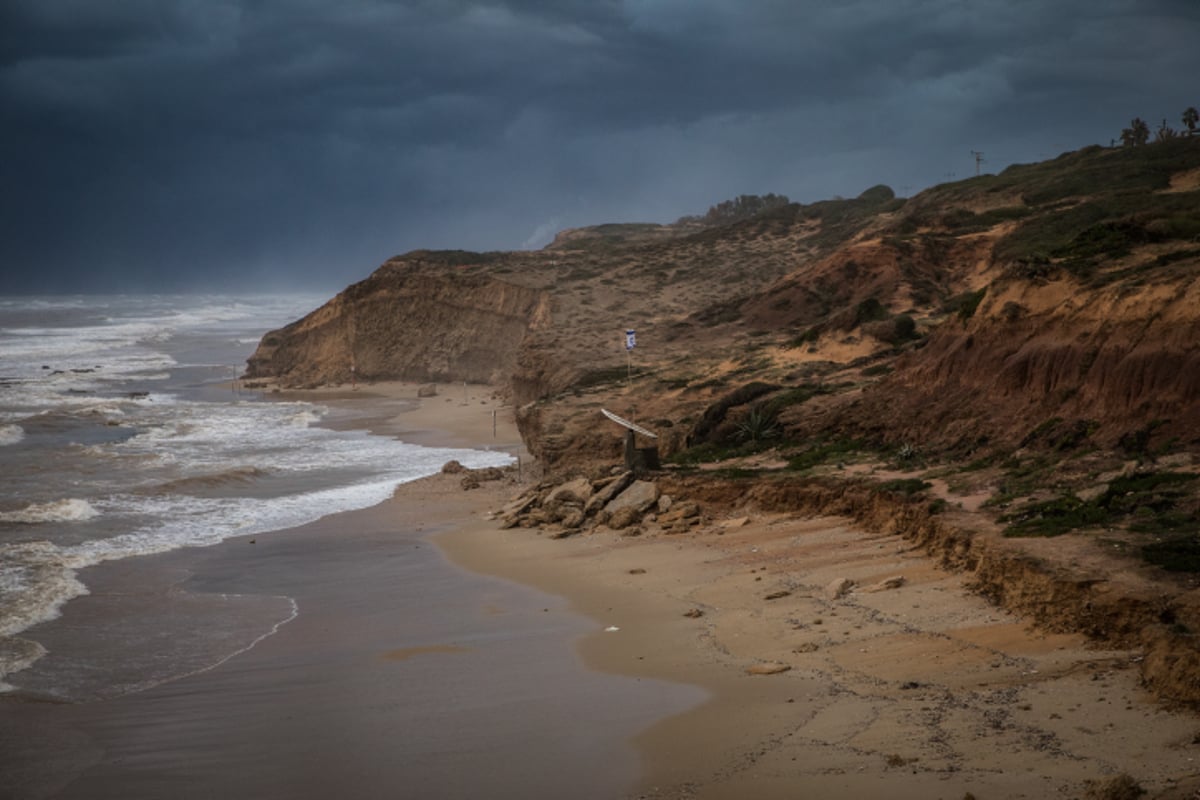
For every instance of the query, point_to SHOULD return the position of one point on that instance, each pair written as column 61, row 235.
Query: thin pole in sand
column 630, row 343
column 493, row 423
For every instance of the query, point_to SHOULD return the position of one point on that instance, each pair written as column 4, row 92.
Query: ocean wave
column 38, row 578
column 229, row 477
column 11, row 434
column 17, row 654
column 69, row 418
column 305, row 419
column 35, row 581
column 67, row 510
column 75, row 409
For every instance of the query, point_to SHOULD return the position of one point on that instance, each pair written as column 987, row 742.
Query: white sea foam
column 42, row 304
column 15, row 655
column 67, row 510
column 34, row 583
column 305, row 419
column 120, row 476
column 37, row 578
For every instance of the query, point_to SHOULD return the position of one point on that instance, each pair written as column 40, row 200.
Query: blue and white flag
column 630, row 339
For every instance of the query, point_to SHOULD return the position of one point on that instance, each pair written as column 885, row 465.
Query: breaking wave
column 229, row 477
column 68, row 510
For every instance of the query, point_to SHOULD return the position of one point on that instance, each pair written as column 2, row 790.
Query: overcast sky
column 208, row 144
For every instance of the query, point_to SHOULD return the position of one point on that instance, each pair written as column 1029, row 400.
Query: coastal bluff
column 1008, row 358
column 423, row 317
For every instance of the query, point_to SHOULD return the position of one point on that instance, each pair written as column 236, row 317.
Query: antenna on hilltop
column 978, row 160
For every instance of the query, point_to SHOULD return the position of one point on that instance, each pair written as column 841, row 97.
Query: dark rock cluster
column 619, row 502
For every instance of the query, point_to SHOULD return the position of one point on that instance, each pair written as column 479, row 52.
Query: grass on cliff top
column 1148, row 503
column 1087, row 172
column 616, row 235
column 454, row 258
column 1103, row 229
column 1076, row 211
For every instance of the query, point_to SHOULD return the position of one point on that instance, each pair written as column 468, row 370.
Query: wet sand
column 913, row 688
column 922, row 691
column 400, row 675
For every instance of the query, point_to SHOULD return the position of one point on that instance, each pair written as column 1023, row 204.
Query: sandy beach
column 925, row 690
column 764, row 656
column 345, row 658
column 908, row 685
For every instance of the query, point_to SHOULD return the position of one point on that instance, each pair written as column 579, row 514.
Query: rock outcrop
column 619, row 503
column 417, row 318
column 1026, row 340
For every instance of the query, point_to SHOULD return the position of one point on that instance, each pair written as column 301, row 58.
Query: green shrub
column 820, row 453
column 715, row 414
column 759, row 424
column 1151, row 499
column 869, row 310
column 1175, row 555
column 965, row 304
column 905, row 486
column 808, row 337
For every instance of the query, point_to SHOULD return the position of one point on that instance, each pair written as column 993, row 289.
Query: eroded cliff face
column 1113, row 361
column 1028, row 342
column 1087, row 266
column 412, row 319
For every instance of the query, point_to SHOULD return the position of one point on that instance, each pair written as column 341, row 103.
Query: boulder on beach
column 572, row 519
column 605, row 492
column 640, row 496
column 682, row 517
column 618, row 502
column 623, row 517
column 576, row 493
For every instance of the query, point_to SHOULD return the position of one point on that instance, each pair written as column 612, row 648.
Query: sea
column 124, row 432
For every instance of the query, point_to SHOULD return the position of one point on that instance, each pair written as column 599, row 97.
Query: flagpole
column 630, row 343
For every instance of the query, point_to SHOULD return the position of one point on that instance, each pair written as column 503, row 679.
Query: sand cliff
column 1014, row 355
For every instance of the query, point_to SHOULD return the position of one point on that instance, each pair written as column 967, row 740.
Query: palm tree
column 1138, row 133
column 1190, row 118
column 1165, row 132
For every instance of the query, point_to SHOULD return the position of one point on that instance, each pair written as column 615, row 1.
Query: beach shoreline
column 947, row 697
column 759, row 679
column 364, row 654
column 840, row 662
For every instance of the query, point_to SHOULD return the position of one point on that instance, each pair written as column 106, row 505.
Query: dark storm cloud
column 185, row 142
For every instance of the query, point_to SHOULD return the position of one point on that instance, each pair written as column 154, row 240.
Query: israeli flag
column 630, row 339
